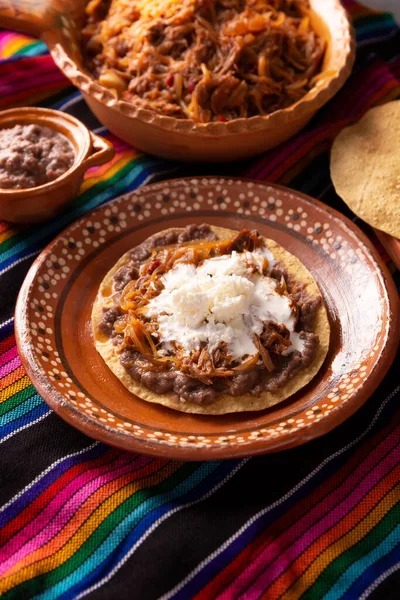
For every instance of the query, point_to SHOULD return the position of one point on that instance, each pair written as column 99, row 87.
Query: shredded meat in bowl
column 206, row 60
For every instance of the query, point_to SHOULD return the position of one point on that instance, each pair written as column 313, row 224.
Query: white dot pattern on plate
column 169, row 198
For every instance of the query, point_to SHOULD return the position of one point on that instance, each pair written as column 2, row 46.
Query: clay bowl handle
column 37, row 17
column 28, row 16
column 102, row 152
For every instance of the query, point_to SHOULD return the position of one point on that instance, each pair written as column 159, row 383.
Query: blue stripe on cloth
column 22, row 250
column 34, row 49
column 6, row 329
column 373, row 573
column 60, row 104
column 11, row 59
column 378, row 30
column 24, row 420
column 18, row 411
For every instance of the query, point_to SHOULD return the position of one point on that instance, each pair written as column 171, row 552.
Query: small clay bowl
column 32, row 205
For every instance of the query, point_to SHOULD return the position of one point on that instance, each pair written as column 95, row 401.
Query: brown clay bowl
column 58, row 23
column 44, row 201
column 55, row 342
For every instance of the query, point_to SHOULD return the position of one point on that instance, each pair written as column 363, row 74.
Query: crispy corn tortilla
column 224, row 403
column 365, row 167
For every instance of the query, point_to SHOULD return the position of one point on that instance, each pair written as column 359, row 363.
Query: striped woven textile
column 79, row 519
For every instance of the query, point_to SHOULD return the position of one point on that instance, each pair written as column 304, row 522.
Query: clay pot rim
column 53, row 119
column 306, row 106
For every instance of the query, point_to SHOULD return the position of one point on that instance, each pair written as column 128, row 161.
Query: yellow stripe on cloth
column 14, row 388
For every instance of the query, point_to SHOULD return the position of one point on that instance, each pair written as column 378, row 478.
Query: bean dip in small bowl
column 32, row 155
column 43, row 157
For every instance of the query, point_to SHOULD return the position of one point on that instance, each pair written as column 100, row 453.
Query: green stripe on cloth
column 17, row 399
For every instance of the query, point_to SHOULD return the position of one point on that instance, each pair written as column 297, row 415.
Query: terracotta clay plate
column 56, row 346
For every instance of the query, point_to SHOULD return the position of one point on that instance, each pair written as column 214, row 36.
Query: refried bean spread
column 203, row 374
column 32, row 155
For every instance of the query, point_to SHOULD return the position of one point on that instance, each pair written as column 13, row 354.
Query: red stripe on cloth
column 15, row 88
column 8, row 349
column 29, row 97
column 17, row 76
column 28, row 65
column 4, row 226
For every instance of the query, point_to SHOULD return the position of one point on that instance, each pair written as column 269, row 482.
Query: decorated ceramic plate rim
column 157, row 444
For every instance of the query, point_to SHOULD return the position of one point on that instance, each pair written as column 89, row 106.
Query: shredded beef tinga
column 205, row 60
column 209, row 320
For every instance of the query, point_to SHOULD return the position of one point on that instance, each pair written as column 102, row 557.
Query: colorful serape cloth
column 79, row 519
